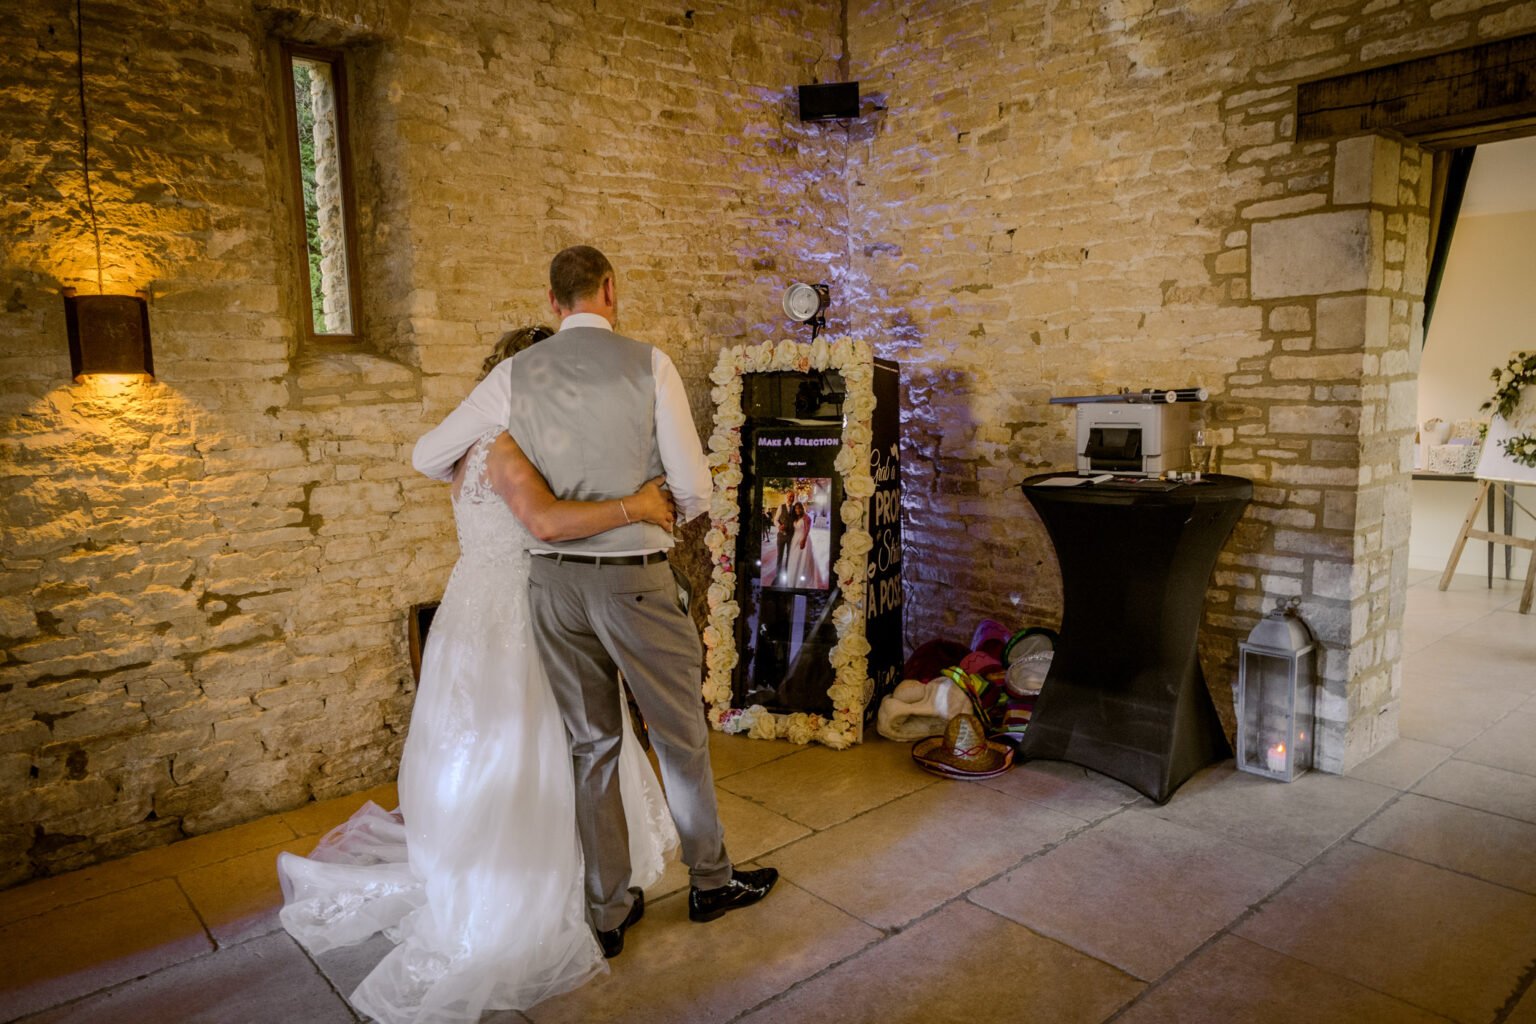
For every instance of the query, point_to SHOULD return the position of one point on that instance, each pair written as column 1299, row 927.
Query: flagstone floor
column 1402, row 892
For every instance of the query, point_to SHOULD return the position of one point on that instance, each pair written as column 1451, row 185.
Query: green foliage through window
column 304, row 105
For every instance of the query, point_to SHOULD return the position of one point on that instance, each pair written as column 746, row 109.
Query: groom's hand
column 655, row 504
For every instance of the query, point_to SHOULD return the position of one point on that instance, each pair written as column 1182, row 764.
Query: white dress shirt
column 489, row 406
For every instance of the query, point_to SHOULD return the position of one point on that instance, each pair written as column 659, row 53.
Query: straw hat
column 963, row 752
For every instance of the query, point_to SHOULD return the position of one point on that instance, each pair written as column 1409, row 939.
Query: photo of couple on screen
column 797, row 533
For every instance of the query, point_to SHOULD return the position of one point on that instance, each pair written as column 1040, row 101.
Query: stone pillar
column 1340, row 275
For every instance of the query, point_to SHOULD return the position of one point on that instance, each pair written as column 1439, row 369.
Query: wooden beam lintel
column 1431, row 97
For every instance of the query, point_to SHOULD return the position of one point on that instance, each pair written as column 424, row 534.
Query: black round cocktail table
column 1125, row 695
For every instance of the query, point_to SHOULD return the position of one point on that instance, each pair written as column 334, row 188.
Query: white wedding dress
column 478, row 876
column 804, row 573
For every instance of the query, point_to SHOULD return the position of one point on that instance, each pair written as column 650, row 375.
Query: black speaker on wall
column 831, row 102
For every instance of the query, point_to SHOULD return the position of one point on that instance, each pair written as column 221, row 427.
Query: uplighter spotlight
column 807, row 303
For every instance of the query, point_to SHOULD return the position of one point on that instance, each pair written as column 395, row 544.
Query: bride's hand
column 652, row 503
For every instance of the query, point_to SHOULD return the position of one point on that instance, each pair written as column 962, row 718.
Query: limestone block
column 1290, row 319
column 17, row 620
column 1353, row 322
column 1313, row 254
column 1282, row 207
column 1342, row 581
column 1281, row 586
column 1314, row 419
column 1365, row 170
column 1331, row 622
column 1233, row 261
column 255, row 789
column 1402, row 404
column 1510, row 21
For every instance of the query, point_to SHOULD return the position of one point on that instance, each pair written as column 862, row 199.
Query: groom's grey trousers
column 590, row 620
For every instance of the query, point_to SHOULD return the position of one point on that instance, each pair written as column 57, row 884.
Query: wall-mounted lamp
column 807, row 303
column 108, row 334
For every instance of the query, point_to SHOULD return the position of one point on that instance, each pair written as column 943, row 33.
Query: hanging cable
column 85, row 139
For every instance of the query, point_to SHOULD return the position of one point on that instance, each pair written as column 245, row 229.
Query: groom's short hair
column 576, row 273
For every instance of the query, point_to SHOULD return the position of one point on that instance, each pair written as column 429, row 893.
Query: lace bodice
column 488, row 531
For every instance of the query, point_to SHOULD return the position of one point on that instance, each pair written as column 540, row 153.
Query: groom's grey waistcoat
column 584, row 412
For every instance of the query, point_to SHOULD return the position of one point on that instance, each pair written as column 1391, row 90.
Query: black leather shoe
column 612, row 940
column 744, row 889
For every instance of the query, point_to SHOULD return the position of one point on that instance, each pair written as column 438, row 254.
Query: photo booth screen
column 796, row 548
column 794, row 507
column 791, row 494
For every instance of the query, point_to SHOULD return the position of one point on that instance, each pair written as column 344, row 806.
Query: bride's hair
column 513, row 342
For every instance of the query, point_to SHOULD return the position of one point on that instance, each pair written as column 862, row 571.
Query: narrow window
column 315, row 86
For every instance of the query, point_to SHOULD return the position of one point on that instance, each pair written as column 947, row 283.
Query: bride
column 804, row 570
column 477, row 877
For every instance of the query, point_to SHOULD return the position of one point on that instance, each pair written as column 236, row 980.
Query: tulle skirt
column 478, row 876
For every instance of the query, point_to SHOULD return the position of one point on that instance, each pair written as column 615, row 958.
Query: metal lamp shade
column 108, row 334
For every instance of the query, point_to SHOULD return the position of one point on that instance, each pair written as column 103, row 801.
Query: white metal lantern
column 1276, row 696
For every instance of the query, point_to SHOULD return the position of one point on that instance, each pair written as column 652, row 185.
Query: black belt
column 648, row 559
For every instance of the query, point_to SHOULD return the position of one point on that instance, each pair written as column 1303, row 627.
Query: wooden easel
column 1507, row 539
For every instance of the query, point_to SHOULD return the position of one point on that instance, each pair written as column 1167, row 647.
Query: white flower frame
column 851, row 686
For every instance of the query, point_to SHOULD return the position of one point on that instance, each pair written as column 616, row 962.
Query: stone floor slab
column 962, row 964
column 1236, row 980
column 1504, row 633
column 1510, row 745
column 266, row 979
column 1488, row 789
column 820, row 787
column 1487, row 846
column 239, row 898
column 1068, row 788
column 902, row 860
column 321, row 816
column 137, row 869
column 1296, row 820
column 346, row 966
column 1452, row 713
column 95, row 944
column 1495, row 661
column 673, row 970
column 1136, row 891
column 751, row 833
column 1441, row 941
column 1402, row 764
column 730, row 754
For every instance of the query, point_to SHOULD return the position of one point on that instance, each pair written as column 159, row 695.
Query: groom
column 599, row 414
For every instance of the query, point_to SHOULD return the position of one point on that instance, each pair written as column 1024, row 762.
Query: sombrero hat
column 963, row 752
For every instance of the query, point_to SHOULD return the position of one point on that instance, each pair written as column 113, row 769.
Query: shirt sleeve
column 484, row 410
column 677, row 439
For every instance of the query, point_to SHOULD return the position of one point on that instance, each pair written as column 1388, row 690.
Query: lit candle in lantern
column 1274, row 758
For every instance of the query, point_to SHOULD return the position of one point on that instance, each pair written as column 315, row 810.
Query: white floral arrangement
column 1521, row 448
column 1506, row 402
column 851, row 687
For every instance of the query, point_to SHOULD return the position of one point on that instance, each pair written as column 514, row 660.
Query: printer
column 1133, row 438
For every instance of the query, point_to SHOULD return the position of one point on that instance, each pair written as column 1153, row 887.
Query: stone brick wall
column 1066, row 198
column 206, row 577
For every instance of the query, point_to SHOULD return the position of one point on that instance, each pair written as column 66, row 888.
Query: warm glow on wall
column 71, row 258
